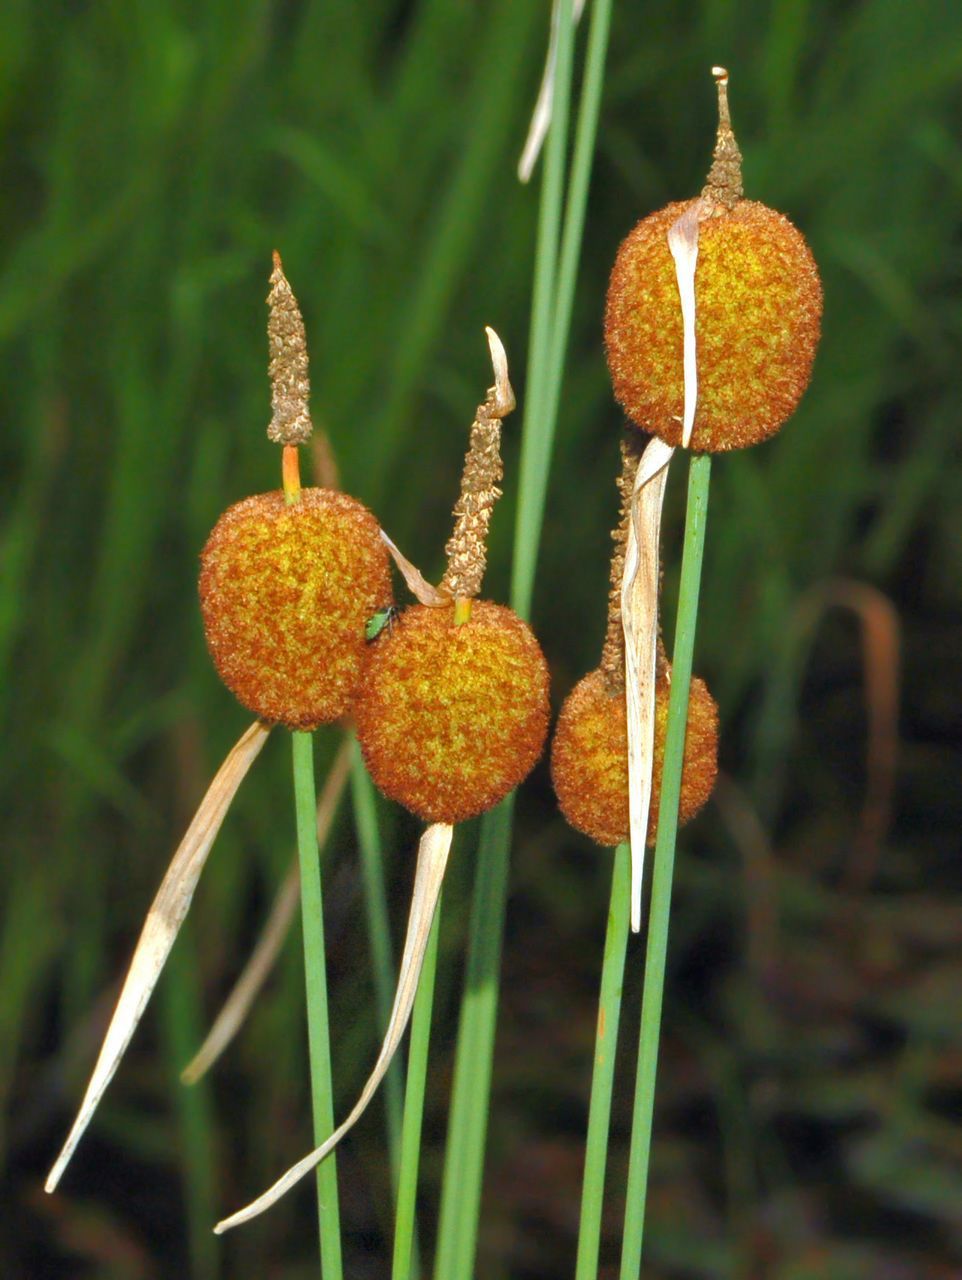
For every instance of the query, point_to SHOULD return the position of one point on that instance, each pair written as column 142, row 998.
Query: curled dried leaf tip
column 288, row 368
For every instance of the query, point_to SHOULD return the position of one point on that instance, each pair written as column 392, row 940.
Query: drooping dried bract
column 758, row 307
column 450, row 717
column 589, row 758
column 286, row 591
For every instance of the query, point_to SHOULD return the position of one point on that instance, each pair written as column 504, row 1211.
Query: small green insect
column 377, row 622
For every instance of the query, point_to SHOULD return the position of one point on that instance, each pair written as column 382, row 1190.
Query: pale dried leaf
column 541, row 118
column 418, row 585
column 432, row 860
column 639, row 617
column 161, row 927
column 504, row 401
column 255, row 973
column 683, row 243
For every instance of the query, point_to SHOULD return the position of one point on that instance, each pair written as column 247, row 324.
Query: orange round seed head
column 589, row 758
column 758, row 307
column 285, row 592
column 451, row 718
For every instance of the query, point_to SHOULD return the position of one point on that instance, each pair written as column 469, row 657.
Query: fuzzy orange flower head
column 589, row 757
column 451, row 717
column 286, row 589
column 758, row 307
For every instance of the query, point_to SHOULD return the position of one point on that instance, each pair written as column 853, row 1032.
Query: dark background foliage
column 154, row 155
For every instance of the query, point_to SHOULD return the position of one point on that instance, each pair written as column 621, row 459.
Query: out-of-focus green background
column 153, row 155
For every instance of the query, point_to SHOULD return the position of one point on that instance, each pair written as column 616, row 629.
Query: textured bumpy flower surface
column 589, row 757
column 286, row 590
column 452, row 717
column 758, row 307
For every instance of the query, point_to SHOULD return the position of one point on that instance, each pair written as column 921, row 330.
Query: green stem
column 537, row 434
column 699, row 475
column 182, row 1022
column 315, row 975
column 405, row 1244
column 379, row 930
column 464, row 1158
column 575, row 205
column 606, row 1044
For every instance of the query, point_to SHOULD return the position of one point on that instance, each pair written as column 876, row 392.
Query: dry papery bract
column 244, row 992
column 429, row 874
column 541, row 116
column 711, row 325
column 757, row 309
column 166, row 915
column 288, row 581
column 589, row 757
column 451, row 714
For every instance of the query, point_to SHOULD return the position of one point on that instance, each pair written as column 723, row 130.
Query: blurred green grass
column 154, row 156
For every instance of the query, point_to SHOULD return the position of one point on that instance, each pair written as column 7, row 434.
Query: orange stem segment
column 291, row 474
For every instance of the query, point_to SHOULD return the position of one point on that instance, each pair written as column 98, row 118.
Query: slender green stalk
column 537, row 434
column 699, row 475
column 576, row 203
column 379, row 931
column 315, row 975
column 464, row 1158
column 182, row 1022
column 405, row 1241
column 606, row 1044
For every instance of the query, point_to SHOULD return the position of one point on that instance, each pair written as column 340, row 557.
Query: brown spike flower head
column 451, row 717
column 758, row 306
column 589, row 757
column 286, row 590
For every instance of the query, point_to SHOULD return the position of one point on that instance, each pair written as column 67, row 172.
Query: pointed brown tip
column 288, row 369
column 724, row 187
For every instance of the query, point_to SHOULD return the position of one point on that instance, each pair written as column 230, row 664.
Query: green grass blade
column 603, row 1074
column 575, row 205
column 699, row 475
column 537, row 434
column 464, row 1161
column 180, row 1011
column 405, row 1232
column 315, row 975
column 468, row 1125
column 379, row 931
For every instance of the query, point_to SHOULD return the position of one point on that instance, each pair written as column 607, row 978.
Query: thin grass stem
column 181, row 1015
column 315, row 976
column 699, row 475
column 464, row 1157
column 379, row 932
column 405, row 1232
column 575, row 205
column 537, row 434
column 603, row 1073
